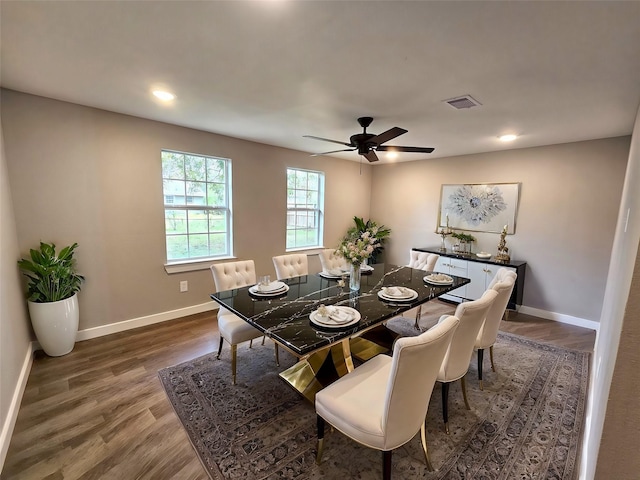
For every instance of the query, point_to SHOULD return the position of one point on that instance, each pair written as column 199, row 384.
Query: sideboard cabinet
column 479, row 271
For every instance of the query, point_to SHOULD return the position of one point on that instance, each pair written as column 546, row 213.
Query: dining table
column 289, row 315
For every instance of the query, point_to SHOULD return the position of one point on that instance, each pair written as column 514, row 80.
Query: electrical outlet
column 184, row 286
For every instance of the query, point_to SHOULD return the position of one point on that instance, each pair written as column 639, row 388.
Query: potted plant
column 465, row 239
column 53, row 284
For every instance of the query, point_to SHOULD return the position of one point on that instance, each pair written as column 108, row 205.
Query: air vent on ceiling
column 465, row 101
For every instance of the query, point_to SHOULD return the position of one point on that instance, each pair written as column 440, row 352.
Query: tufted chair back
column 330, row 259
column 489, row 331
column 423, row 260
column 501, row 275
column 291, row 265
column 231, row 275
column 471, row 315
column 383, row 403
column 411, row 380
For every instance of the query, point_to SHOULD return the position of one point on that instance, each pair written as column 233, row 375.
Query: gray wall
column 613, row 412
column 569, row 201
column 14, row 323
column 89, row 176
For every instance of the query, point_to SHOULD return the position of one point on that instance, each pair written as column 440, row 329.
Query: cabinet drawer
column 453, row 266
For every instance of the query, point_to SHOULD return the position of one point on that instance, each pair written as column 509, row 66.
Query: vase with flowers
column 359, row 244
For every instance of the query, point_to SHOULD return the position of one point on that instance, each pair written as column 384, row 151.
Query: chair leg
column 220, row 347
column 251, row 343
column 277, row 354
column 423, row 438
column 234, row 358
column 418, row 315
column 493, row 367
column 386, row 464
column 480, row 360
column 463, row 382
column 445, row 406
column 263, row 337
column 320, row 446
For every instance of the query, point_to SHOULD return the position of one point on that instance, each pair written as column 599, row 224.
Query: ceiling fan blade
column 371, row 156
column 333, row 151
column 328, row 140
column 391, row 148
column 388, row 135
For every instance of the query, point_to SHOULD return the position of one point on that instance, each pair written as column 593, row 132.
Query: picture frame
column 479, row 207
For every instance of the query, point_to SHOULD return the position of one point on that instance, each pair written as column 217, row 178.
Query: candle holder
column 444, row 234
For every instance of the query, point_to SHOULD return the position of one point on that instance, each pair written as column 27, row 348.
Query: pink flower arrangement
column 359, row 244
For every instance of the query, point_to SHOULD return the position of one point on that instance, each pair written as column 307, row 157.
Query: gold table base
column 311, row 374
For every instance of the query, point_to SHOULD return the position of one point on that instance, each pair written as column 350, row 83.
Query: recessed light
column 507, row 138
column 163, row 95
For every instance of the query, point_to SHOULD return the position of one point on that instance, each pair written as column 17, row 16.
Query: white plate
column 271, row 293
column 326, row 322
column 366, row 268
column 333, row 277
column 410, row 295
column 436, row 281
column 272, row 287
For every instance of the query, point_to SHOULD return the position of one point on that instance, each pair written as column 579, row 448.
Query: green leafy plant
column 464, row 237
column 364, row 240
column 51, row 277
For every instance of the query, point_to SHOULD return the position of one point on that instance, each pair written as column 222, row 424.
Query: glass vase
column 354, row 277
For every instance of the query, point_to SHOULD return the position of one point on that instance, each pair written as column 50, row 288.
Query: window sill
column 192, row 265
column 307, row 250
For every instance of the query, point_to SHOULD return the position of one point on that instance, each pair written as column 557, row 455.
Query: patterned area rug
column 526, row 424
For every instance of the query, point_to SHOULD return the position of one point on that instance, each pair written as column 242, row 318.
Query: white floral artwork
column 479, row 207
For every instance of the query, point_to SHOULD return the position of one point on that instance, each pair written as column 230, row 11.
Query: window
column 197, row 206
column 305, row 202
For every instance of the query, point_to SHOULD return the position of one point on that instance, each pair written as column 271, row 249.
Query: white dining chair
column 383, row 403
column 232, row 328
column 488, row 333
column 291, row 265
column 422, row 261
column 456, row 361
column 330, row 260
column 501, row 275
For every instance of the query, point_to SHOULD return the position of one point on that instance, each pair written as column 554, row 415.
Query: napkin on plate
column 339, row 315
column 395, row 291
column 335, row 272
column 334, row 315
column 272, row 287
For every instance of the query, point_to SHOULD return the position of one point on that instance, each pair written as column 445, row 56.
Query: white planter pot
column 56, row 325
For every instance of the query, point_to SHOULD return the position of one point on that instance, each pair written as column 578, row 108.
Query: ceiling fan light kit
column 366, row 144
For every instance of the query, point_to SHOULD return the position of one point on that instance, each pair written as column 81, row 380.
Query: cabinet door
column 458, row 268
column 480, row 275
column 442, row 265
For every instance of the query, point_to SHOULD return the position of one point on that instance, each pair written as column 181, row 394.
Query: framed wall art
column 485, row 207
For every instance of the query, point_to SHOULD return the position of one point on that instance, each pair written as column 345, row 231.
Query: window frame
column 319, row 210
column 198, row 262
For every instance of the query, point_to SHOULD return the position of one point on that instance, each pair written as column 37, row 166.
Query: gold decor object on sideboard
column 503, row 250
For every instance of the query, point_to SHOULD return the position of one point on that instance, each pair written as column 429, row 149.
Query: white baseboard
column 144, row 321
column 12, row 414
column 14, row 408
column 560, row 317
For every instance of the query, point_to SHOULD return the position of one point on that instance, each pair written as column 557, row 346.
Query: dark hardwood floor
column 100, row 411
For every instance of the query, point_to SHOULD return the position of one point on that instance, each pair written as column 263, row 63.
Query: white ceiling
column 273, row 71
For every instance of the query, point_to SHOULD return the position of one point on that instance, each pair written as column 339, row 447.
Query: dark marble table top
column 286, row 318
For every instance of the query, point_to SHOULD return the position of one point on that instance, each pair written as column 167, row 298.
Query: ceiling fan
column 368, row 143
